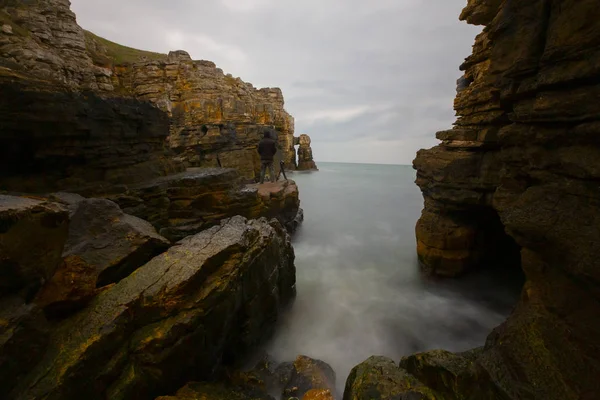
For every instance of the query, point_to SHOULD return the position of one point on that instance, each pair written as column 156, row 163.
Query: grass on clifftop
column 117, row 53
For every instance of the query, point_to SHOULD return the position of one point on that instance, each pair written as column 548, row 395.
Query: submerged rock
column 32, row 236
column 211, row 297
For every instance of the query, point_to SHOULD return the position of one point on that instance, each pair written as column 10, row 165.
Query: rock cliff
column 211, row 119
column 515, row 182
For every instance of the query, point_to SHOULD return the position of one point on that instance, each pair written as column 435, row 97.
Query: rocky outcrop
column 184, row 204
column 109, row 109
column 305, row 155
column 217, row 120
column 203, row 303
column 518, row 176
column 53, row 138
column 44, row 39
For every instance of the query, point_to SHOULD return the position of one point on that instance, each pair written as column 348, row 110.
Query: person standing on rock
column 267, row 149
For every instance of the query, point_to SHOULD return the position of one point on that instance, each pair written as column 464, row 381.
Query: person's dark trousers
column 263, row 170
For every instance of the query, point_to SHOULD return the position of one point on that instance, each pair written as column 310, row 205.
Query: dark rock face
column 24, row 335
column 210, row 298
column 104, row 246
column 32, row 236
column 215, row 391
column 55, row 139
column 520, row 169
column 184, row 204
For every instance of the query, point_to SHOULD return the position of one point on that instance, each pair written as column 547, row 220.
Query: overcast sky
column 369, row 81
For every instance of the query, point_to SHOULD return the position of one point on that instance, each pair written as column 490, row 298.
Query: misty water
column 360, row 291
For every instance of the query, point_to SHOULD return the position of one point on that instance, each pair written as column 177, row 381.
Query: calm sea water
column 360, row 292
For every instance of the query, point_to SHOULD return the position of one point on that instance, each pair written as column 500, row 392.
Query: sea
column 360, row 291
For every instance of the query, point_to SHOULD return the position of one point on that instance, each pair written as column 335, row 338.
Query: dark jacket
column 267, row 149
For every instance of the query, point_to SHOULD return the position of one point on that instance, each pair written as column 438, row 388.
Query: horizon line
column 361, row 163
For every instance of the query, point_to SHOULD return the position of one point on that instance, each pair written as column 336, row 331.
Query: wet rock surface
column 211, row 297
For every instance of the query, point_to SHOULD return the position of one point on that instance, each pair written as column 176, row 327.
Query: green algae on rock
column 175, row 319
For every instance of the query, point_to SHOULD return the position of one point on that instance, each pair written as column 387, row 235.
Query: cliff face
column 516, row 182
column 215, row 118
column 210, row 119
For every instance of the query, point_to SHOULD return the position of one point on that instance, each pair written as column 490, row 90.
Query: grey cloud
column 395, row 61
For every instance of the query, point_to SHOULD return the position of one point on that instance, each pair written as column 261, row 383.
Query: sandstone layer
column 516, row 183
column 206, row 118
column 187, row 203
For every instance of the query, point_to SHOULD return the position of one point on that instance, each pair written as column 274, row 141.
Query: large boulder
column 379, row 378
column 205, row 301
column 32, row 236
column 309, row 375
column 104, row 246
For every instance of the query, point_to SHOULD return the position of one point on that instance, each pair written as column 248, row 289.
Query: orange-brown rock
column 211, row 297
column 318, row 394
column 184, row 204
column 71, row 287
column 123, row 105
column 518, row 177
column 309, row 374
column 305, row 155
column 216, row 119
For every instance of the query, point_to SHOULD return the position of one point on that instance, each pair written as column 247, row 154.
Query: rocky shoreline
column 139, row 259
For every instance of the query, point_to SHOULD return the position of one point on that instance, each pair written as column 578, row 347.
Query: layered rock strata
column 53, row 137
column 216, row 119
column 212, row 119
column 184, row 204
column 305, row 155
column 204, row 302
column 518, row 175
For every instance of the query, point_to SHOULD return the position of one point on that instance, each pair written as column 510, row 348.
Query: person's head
column 266, row 134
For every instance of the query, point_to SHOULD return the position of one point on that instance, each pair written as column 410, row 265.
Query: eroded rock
column 184, row 204
column 305, row 155
column 309, row 375
column 524, row 152
column 212, row 296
